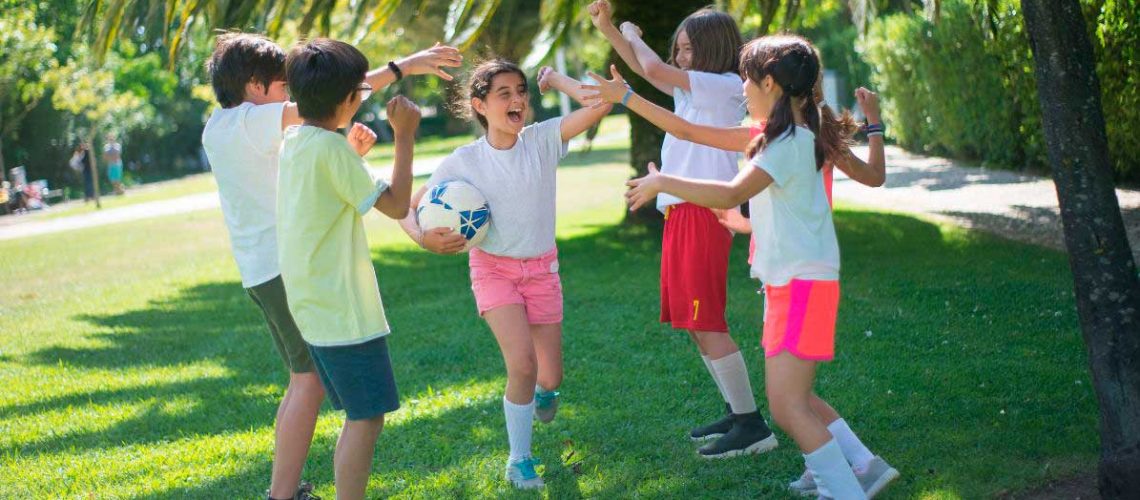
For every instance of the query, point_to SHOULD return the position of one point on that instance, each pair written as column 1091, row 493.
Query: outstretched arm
column 614, row 90
column 601, row 15
column 706, row 193
column 581, row 119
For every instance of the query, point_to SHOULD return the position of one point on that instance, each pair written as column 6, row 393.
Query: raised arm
column 873, row 172
column 660, row 73
column 602, row 18
column 404, row 117
column 582, row 118
column 429, row 61
column 614, row 90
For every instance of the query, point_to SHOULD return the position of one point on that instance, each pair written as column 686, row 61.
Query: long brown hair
column 792, row 63
column 715, row 39
column 837, row 130
column 478, row 84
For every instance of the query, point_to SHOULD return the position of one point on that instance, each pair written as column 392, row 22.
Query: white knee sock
column 832, row 473
column 853, row 449
column 733, row 377
column 712, row 372
column 520, row 427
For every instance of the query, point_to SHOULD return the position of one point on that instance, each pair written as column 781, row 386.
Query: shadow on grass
column 932, row 325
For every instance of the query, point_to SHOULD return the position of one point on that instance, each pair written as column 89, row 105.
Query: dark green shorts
column 270, row 297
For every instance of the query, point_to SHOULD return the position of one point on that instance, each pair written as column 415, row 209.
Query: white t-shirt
column 242, row 144
column 791, row 219
column 519, row 184
column 716, row 100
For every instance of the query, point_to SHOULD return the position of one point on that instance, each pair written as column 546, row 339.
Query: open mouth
column 515, row 116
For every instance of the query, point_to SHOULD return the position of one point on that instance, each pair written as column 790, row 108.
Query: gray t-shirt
column 519, row 184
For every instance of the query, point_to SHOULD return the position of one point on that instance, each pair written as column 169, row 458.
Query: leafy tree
column 27, row 68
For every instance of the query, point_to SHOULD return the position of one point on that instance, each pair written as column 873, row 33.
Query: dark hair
column 715, row 39
column 322, row 73
column 836, row 131
column 239, row 58
column 792, row 63
column 478, row 84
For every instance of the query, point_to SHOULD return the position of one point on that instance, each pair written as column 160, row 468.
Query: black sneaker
column 715, row 429
column 304, row 492
column 749, row 435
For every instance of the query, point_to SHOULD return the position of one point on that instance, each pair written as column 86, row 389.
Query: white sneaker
column 522, row 475
column 805, row 485
column 876, row 476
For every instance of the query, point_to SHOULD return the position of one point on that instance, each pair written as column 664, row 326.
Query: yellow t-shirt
column 323, row 189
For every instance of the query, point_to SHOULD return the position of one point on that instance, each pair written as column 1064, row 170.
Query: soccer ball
column 457, row 205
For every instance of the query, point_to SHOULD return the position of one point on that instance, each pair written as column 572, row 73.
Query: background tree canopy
column 73, row 68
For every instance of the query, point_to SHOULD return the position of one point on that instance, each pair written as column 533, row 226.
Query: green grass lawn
column 135, row 366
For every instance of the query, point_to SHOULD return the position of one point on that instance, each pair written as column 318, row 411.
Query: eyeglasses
column 365, row 91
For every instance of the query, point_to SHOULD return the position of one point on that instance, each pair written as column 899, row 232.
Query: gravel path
column 1009, row 204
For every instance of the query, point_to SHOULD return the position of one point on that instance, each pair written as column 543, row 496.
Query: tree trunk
column 657, row 20
column 3, row 168
column 1104, row 275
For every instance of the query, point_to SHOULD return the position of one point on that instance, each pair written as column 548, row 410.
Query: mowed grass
column 133, row 365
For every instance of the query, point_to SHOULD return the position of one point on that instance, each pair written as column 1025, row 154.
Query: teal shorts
column 358, row 378
column 115, row 172
column 270, row 297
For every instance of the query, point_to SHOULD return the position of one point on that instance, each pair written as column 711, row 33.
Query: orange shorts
column 800, row 318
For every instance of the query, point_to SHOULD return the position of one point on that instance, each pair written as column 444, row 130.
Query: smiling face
column 760, row 97
column 505, row 105
column 683, row 52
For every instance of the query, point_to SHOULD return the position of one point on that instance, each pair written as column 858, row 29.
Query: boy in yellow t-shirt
column 323, row 190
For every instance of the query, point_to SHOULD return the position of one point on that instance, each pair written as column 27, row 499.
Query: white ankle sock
column 520, row 427
column 832, row 473
column 853, row 449
column 712, row 372
column 733, row 377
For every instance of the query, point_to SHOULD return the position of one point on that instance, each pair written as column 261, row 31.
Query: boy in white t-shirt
column 242, row 139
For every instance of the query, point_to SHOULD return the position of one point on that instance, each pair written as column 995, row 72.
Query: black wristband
column 396, row 70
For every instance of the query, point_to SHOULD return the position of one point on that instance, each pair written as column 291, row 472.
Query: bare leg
column 296, row 418
column 548, row 352
column 352, row 462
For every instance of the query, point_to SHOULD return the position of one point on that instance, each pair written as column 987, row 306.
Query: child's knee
column 523, row 369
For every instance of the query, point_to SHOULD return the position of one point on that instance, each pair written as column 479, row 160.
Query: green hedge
column 963, row 85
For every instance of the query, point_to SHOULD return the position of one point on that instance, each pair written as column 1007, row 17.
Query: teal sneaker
column 522, row 475
column 545, row 404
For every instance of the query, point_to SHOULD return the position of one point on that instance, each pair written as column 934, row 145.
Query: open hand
column 443, row 240
column 361, row 138
column 733, row 220
column 605, row 91
column 431, row 61
column 644, row 189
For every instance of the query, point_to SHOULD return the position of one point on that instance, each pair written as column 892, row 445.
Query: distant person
column 81, row 164
column 113, row 156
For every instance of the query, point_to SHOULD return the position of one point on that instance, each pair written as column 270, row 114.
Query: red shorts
column 694, row 269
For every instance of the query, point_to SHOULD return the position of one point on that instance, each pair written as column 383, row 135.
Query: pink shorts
column 498, row 281
column 800, row 318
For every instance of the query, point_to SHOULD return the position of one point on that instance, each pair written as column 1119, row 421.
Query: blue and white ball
column 457, row 205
